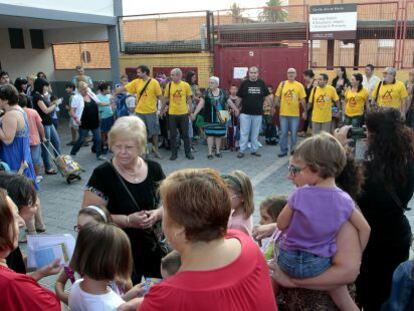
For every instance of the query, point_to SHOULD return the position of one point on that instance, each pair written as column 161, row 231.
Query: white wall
column 21, row 62
column 98, row 7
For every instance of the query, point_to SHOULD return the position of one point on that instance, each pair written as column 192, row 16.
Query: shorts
column 302, row 265
column 106, row 124
column 72, row 124
column 151, row 122
column 36, row 153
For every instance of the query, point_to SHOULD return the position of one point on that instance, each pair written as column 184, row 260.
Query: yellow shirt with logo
column 147, row 103
column 322, row 100
column 177, row 94
column 355, row 102
column 390, row 95
column 290, row 94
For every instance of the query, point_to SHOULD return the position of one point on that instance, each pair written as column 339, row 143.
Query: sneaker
column 240, row 155
column 210, row 157
column 189, row 156
column 249, row 145
column 256, row 154
column 173, row 157
column 282, row 154
column 39, row 179
column 218, row 155
column 259, row 144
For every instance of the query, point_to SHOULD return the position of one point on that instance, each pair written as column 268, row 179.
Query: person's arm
column 344, row 269
column 198, row 108
column 305, row 108
column 135, row 292
column 41, row 129
column 60, row 287
column 233, row 106
column 264, row 231
column 44, row 108
column 132, row 305
column 362, row 226
column 284, row 218
column 51, row 269
column 9, row 128
column 190, row 104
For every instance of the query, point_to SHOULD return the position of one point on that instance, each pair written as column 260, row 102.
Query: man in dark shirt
column 252, row 92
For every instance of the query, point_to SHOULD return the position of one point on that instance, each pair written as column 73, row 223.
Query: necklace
column 134, row 174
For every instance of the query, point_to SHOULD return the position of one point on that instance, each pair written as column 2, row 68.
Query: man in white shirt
column 369, row 79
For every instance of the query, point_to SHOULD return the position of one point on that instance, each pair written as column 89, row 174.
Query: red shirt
column 34, row 120
column 21, row 292
column 243, row 285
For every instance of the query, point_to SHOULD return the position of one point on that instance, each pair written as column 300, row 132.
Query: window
column 386, row 43
column 16, row 38
column 36, row 37
column 90, row 55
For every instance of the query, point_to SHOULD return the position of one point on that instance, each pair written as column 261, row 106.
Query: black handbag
column 156, row 230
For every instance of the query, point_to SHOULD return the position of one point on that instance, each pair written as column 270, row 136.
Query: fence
column 166, row 33
column 385, row 33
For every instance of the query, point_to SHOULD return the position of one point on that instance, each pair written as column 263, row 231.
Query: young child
column 269, row 126
column 106, row 114
column 270, row 209
column 314, row 214
column 70, row 91
column 233, row 135
column 242, row 206
column 102, row 255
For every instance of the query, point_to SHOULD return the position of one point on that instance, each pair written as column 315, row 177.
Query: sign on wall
column 337, row 21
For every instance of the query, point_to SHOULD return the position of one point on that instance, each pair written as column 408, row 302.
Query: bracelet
column 127, row 221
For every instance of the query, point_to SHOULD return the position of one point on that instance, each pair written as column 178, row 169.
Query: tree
column 270, row 14
column 235, row 10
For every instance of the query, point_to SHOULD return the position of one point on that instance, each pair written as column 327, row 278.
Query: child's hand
column 138, row 290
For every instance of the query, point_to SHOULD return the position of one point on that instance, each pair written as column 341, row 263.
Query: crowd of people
column 186, row 241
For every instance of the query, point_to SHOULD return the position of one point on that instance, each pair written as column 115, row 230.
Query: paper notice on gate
column 240, row 72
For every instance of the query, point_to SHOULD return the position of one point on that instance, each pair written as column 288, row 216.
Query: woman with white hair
column 213, row 101
column 128, row 187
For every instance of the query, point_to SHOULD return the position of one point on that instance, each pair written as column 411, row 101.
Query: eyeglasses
column 294, row 170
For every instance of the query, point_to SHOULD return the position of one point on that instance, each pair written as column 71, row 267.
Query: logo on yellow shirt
column 177, row 96
column 352, row 101
column 387, row 95
column 321, row 100
column 290, row 95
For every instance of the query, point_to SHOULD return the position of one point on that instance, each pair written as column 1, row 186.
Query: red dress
column 21, row 292
column 243, row 285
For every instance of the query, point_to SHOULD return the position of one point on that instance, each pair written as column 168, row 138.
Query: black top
column 46, row 118
column 104, row 182
column 252, row 94
column 308, row 91
column 90, row 116
column 15, row 261
column 380, row 208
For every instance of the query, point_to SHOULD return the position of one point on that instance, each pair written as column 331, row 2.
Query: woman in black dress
column 128, row 187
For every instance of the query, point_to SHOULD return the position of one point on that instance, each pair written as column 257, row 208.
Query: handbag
column 156, row 230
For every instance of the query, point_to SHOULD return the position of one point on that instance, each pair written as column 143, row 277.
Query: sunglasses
column 294, row 170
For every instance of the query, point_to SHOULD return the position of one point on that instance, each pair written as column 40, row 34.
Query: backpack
column 121, row 105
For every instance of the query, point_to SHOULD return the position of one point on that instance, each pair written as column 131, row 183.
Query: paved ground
column 61, row 202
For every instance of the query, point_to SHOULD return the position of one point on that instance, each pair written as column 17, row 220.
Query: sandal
column 51, row 172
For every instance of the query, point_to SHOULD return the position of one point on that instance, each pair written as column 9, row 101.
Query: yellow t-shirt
column 147, row 103
column 290, row 95
column 322, row 100
column 355, row 102
column 390, row 95
column 177, row 94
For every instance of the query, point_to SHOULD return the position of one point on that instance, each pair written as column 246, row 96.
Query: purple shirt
column 318, row 214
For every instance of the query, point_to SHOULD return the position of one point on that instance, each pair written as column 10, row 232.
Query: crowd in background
column 187, row 241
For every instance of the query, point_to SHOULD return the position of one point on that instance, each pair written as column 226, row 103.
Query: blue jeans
column 302, row 265
column 402, row 292
column 288, row 124
column 83, row 133
column 53, row 138
column 354, row 121
column 249, row 128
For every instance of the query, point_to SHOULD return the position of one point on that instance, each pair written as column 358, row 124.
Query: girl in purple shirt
column 314, row 214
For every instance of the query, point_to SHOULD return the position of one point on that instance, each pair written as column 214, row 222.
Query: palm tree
column 270, row 14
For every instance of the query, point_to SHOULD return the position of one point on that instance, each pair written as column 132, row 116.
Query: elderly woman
column 19, row 291
column 14, row 133
column 85, row 113
column 128, row 187
column 220, row 270
column 213, row 101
